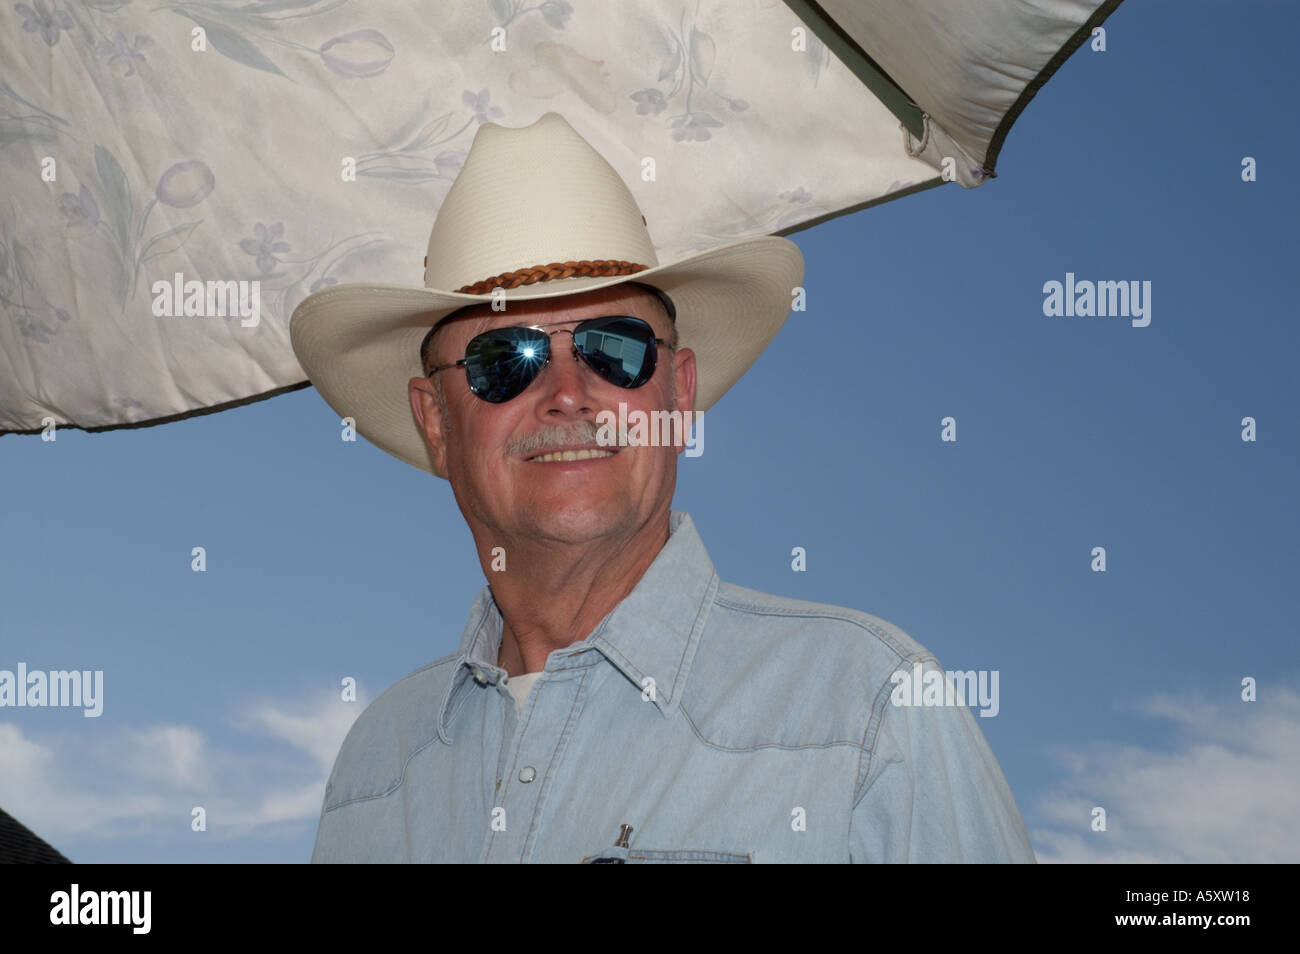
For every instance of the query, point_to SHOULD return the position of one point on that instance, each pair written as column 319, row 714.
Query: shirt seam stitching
column 451, row 658
column 384, row 794
column 762, row 745
column 878, row 709
column 874, row 630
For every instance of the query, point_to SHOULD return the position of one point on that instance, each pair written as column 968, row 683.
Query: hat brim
column 359, row 343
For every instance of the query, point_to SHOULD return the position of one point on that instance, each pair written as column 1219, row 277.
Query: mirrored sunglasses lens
column 502, row 362
column 621, row 350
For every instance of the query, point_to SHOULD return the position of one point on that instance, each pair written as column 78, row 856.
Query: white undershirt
column 519, row 686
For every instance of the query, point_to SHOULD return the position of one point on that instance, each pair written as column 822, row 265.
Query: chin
column 580, row 521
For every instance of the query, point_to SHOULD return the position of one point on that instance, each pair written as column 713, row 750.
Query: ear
column 684, row 378
column 428, row 415
column 684, row 385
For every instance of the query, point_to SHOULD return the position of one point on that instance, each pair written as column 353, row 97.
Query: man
column 612, row 700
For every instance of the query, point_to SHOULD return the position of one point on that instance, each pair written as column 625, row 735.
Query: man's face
column 491, row 452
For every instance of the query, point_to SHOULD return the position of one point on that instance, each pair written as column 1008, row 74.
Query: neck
column 554, row 594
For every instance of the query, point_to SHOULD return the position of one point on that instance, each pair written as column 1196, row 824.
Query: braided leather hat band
column 600, row 268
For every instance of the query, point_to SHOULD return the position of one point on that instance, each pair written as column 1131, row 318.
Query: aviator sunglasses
column 502, row 362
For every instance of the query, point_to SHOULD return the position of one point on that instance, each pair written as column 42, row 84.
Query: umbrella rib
column 867, row 70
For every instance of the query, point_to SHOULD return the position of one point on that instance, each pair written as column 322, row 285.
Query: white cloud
column 172, row 755
column 54, row 796
column 1227, row 791
column 292, row 804
column 315, row 729
column 20, row 758
column 94, row 782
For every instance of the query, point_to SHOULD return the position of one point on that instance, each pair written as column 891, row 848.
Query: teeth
column 573, row 455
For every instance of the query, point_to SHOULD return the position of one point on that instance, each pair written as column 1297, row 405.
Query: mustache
column 582, row 432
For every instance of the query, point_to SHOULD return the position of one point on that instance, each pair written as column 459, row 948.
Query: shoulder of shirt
column 817, row 622
column 402, row 721
column 774, row 671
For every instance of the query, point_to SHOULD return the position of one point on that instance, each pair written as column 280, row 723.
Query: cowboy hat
column 538, row 213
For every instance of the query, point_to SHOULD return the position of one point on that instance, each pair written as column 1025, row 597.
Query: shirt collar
column 652, row 634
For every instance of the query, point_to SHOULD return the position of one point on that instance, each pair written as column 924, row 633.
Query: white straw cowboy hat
column 539, row 212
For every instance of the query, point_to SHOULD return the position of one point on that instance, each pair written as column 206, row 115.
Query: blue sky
column 1119, row 689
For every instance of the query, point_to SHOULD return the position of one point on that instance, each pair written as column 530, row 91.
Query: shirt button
column 479, row 677
column 527, row 773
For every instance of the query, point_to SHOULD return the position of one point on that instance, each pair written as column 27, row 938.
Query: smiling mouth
column 557, row 456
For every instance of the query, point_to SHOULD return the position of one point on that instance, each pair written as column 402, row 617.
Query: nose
column 564, row 384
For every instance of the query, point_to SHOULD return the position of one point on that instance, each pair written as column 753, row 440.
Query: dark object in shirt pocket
column 634, row 856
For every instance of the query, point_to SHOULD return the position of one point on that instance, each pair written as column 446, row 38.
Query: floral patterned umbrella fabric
column 177, row 176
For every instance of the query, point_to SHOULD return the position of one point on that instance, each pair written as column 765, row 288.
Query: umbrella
column 177, row 177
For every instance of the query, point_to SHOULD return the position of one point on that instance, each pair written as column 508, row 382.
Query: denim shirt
column 698, row 722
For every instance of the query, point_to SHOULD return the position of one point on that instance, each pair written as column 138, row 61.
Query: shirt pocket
column 683, row 856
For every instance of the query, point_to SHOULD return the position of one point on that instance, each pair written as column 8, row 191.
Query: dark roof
column 19, row 845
